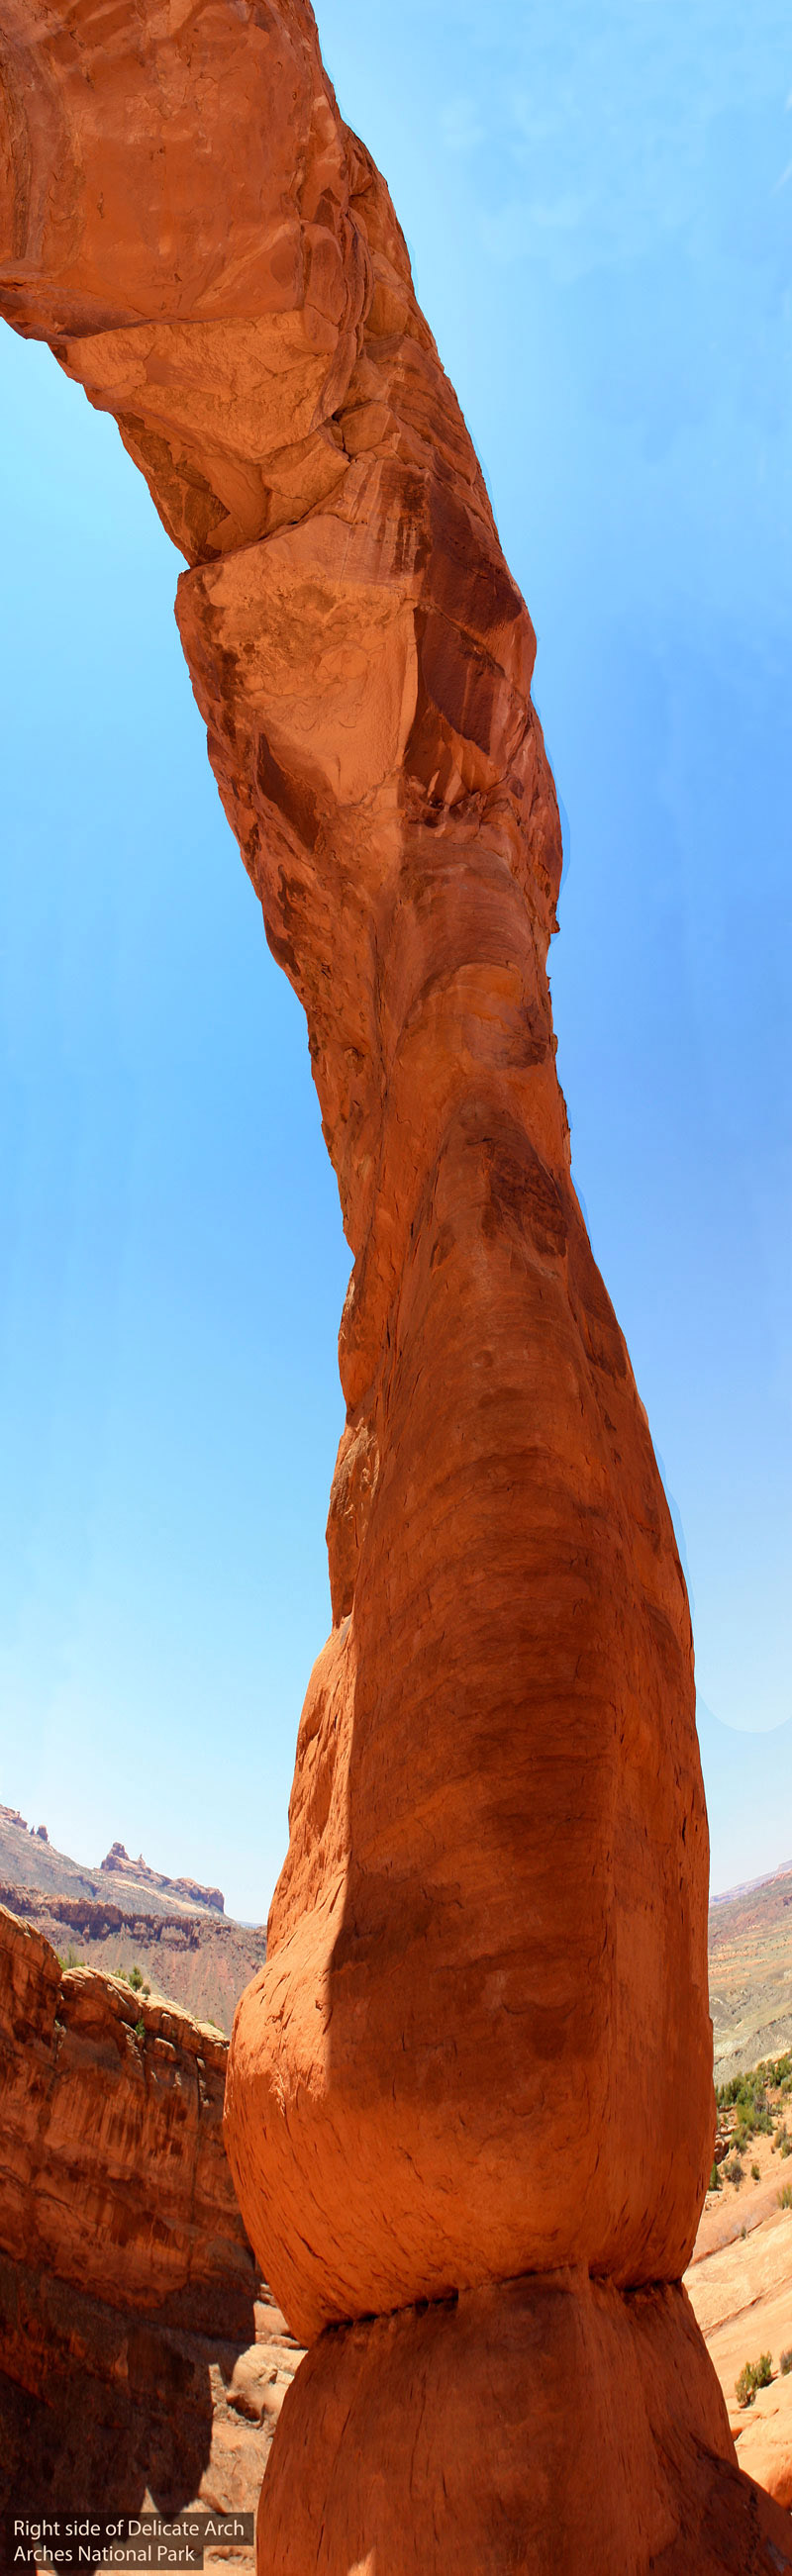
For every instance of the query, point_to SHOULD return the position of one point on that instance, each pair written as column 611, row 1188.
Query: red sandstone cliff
column 136, row 1873
column 112, row 2147
column 480, row 2046
column 197, row 1962
column 138, row 2356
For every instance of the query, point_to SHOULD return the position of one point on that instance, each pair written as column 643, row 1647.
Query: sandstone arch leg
column 541, row 2425
column 480, row 2048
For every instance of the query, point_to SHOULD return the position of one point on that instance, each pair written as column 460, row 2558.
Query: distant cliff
column 125, row 1915
column 200, row 1961
column 29, row 1859
column 183, row 1891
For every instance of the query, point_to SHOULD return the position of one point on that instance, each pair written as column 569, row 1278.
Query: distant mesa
column 125, row 1914
column 137, row 1872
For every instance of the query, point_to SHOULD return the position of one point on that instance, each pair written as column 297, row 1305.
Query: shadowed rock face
column 135, row 2356
column 480, row 2046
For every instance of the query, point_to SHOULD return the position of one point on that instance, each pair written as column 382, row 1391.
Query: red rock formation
column 480, row 2046
column 113, row 2174
column 544, row 2425
column 137, row 1873
column 135, row 2359
column 197, row 1960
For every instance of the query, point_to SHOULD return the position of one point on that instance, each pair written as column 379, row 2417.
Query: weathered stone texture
column 480, row 2046
column 113, row 2174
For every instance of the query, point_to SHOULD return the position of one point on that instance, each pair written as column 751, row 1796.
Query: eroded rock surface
column 112, row 2143
column 740, row 2288
column 480, row 2046
column 487, row 1953
column 446, row 2440
column 138, row 2355
column 196, row 1961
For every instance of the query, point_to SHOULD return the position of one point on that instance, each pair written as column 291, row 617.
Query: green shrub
column 754, row 2374
column 755, row 2174
column 785, row 2364
column 140, row 2030
column 745, row 2386
column 135, row 1979
column 733, row 2170
column 785, row 2196
column 714, row 2183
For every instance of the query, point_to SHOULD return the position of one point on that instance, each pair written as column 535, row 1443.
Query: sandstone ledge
column 114, row 2176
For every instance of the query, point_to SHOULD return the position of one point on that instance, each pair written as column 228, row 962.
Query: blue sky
column 598, row 201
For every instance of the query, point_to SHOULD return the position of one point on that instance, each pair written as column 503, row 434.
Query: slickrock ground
column 750, row 1970
column 740, row 2287
column 139, row 2356
column 480, row 2045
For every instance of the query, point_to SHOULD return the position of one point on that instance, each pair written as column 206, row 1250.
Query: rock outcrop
column 138, row 2357
column 136, row 1873
column 198, row 1961
column 113, row 2160
column 479, row 2051
column 28, row 1859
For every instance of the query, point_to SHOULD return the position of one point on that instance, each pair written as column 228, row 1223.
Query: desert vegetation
column 754, row 2374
